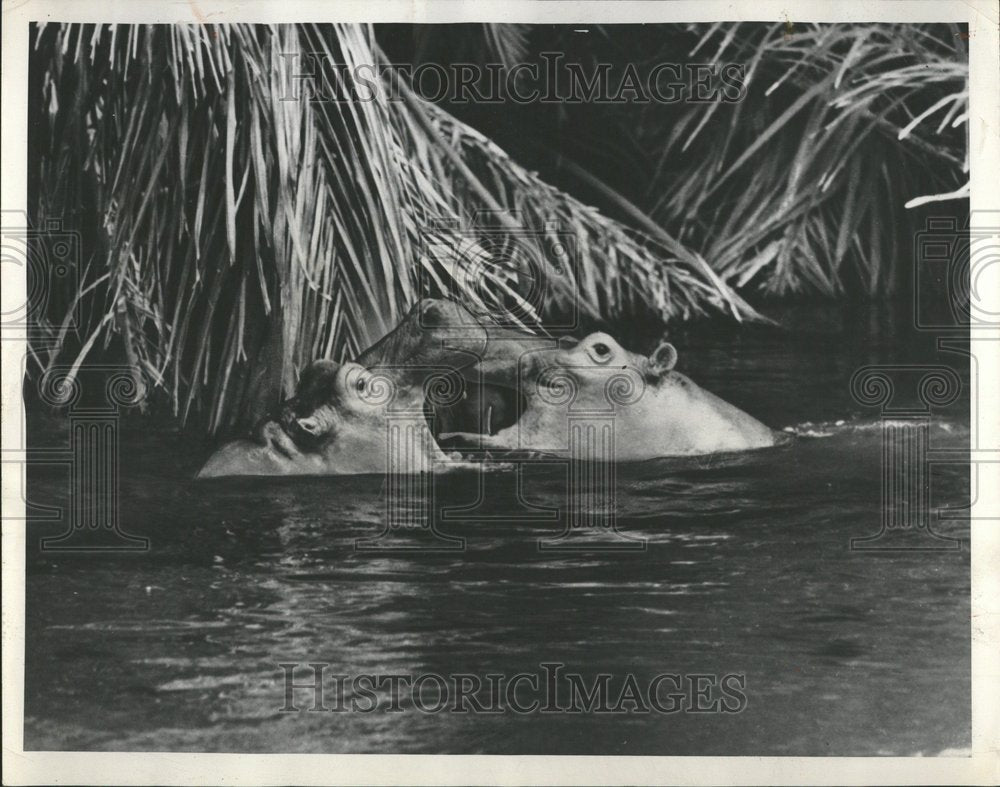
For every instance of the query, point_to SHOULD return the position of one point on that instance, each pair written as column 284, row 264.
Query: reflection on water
column 746, row 570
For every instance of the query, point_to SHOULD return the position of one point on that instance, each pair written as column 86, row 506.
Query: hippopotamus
column 375, row 414
column 456, row 381
column 338, row 423
column 651, row 409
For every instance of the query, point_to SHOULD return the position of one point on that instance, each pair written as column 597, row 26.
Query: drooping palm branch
column 839, row 160
column 232, row 233
column 807, row 183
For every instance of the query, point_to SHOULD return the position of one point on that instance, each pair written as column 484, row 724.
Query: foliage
column 807, row 184
column 233, row 232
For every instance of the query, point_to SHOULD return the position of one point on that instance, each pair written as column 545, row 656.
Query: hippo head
column 339, row 420
column 640, row 404
column 336, row 424
column 332, row 401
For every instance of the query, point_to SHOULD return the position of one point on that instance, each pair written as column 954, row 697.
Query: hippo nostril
column 309, row 426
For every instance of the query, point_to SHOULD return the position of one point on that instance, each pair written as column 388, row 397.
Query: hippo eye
column 600, row 352
column 360, row 385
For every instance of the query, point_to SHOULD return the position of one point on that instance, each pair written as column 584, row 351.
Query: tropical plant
column 808, row 184
column 871, row 114
column 233, row 231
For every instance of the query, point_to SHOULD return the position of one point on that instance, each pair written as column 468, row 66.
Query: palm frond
column 233, row 233
column 785, row 188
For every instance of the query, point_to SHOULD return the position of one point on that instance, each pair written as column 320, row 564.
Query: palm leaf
column 237, row 234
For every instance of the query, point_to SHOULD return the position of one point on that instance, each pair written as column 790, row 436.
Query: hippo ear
column 664, row 358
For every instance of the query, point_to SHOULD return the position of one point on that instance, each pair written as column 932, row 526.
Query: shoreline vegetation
column 230, row 235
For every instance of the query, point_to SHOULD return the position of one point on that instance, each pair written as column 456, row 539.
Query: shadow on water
column 745, row 569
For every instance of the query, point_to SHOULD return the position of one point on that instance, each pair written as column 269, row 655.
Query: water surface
column 746, row 570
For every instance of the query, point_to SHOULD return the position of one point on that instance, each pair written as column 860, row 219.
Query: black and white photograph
column 581, row 383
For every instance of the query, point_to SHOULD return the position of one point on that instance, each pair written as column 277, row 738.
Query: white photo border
column 35, row 767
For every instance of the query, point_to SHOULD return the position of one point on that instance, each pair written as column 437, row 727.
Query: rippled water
column 746, row 570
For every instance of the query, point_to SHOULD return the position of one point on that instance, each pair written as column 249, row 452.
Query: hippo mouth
column 483, row 409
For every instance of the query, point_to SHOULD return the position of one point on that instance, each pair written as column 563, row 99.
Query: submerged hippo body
column 446, row 377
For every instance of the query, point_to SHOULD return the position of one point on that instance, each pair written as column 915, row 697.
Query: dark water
column 747, row 571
